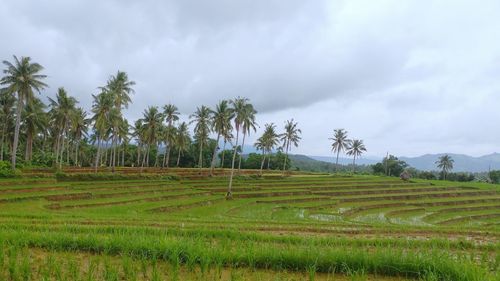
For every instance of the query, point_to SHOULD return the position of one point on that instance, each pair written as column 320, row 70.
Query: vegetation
column 181, row 226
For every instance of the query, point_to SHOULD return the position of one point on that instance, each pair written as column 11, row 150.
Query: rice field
column 177, row 225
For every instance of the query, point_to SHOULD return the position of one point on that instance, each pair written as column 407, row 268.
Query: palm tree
column 21, row 77
column 267, row 142
column 221, row 123
column 182, row 140
column 138, row 133
column 152, row 121
column 34, row 121
column 355, row 149
column 103, row 103
column 201, row 118
column 171, row 115
column 240, row 109
column 289, row 137
column 6, row 113
column 62, row 110
column 248, row 124
column 79, row 129
column 340, row 143
column 445, row 163
column 120, row 87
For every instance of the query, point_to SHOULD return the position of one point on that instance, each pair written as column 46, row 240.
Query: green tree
column 35, row 120
column 171, row 114
column 103, row 103
column 291, row 136
column 182, row 140
column 240, row 108
column 22, row 77
column 445, row 163
column 248, row 124
column 201, row 118
column 7, row 116
column 62, row 111
column 339, row 144
column 221, row 125
column 152, row 121
column 394, row 166
column 355, row 149
column 266, row 143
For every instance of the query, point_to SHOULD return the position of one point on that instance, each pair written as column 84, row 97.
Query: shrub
column 7, row 172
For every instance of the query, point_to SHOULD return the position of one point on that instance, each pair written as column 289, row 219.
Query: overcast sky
column 408, row 77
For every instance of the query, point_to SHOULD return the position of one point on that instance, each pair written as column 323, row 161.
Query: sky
column 406, row 77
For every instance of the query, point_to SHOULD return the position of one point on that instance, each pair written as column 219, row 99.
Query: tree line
column 57, row 132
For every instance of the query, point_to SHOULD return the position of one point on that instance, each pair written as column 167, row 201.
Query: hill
column 463, row 163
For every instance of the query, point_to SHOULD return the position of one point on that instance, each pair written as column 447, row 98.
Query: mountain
column 463, row 163
column 345, row 161
column 309, row 163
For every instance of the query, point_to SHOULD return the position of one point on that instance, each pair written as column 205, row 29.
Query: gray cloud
column 383, row 69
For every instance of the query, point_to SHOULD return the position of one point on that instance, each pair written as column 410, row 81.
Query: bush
column 7, row 172
column 61, row 176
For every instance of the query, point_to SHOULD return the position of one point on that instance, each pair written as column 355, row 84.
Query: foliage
column 390, row 166
column 6, row 171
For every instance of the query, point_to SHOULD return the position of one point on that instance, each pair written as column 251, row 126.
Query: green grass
column 315, row 226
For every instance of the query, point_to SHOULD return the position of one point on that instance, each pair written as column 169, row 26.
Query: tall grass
column 192, row 251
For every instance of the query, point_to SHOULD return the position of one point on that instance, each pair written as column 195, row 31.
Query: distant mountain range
column 427, row 162
column 463, row 163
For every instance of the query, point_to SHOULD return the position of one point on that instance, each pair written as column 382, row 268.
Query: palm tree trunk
column 354, row 164
column 269, row 159
column 223, row 152
column 123, row 155
column 212, row 165
column 97, row 154
column 29, row 146
column 286, row 157
column 16, row 130
column 139, row 147
column 229, row 194
column 168, row 155
column 113, row 144
column 337, row 161
column 263, row 160
column 200, row 158
column 2, row 142
column 241, row 155
column 76, row 152
column 62, row 149
column 178, row 157
column 144, row 158
column 164, row 156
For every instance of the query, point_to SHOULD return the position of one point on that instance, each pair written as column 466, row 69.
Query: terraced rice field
column 302, row 227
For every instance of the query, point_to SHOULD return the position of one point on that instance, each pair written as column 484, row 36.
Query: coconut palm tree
column 291, row 136
column 355, row 149
column 248, row 124
column 339, row 144
column 35, row 120
column 103, row 103
column 22, row 77
column 120, row 87
column 240, row 108
column 171, row 114
column 221, row 124
column 62, row 110
column 79, row 129
column 182, row 140
column 267, row 142
column 445, row 163
column 201, row 118
column 7, row 102
column 138, row 134
column 152, row 121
